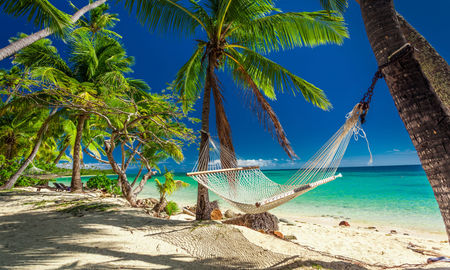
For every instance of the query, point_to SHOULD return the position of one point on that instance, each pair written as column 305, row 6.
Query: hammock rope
column 249, row 190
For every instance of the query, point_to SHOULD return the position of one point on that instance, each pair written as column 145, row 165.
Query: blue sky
column 343, row 72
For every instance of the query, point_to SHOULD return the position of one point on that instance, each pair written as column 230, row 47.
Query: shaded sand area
column 56, row 230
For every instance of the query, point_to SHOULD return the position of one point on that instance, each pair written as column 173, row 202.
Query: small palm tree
column 167, row 188
column 98, row 21
column 236, row 36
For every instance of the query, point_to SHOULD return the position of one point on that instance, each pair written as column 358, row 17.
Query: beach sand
column 37, row 232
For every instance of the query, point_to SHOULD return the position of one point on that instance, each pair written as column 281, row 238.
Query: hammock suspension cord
column 249, row 190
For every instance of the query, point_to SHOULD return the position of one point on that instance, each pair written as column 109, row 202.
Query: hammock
column 249, row 190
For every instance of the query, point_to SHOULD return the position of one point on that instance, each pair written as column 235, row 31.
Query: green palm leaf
column 190, row 78
column 269, row 75
column 164, row 15
column 40, row 54
column 41, row 12
column 334, row 5
column 290, row 30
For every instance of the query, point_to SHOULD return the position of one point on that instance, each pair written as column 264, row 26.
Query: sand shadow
column 32, row 238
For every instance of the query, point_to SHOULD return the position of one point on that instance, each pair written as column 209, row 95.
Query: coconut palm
column 236, row 36
column 13, row 82
column 426, row 119
column 98, row 21
column 16, row 130
column 42, row 12
column 419, row 87
column 95, row 71
column 434, row 66
column 44, row 15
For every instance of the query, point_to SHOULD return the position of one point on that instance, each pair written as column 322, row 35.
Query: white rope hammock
column 249, row 190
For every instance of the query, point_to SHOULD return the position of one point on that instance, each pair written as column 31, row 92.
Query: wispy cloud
column 257, row 162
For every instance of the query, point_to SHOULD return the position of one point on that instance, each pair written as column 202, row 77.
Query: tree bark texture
column 264, row 221
column 39, row 138
column 228, row 159
column 433, row 65
column 203, row 211
column 76, row 185
column 24, row 42
column 425, row 117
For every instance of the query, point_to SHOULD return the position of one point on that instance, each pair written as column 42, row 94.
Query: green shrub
column 104, row 183
column 172, row 208
column 10, row 167
column 45, row 166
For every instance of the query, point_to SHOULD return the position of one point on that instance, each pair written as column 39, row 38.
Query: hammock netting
column 249, row 190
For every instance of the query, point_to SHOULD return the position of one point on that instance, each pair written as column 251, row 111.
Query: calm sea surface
column 392, row 196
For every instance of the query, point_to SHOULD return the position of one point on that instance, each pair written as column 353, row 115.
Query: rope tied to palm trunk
column 404, row 50
column 251, row 191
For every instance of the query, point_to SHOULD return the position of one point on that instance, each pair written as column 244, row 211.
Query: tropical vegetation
column 236, row 37
column 85, row 103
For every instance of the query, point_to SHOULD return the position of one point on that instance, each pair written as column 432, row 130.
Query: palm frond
column 190, row 79
column 289, row 30
column 334, row 5
column 243, row 11
column 260, row 106
column 165, row 15
column 56, row 77
column 41, row 12
column 138, row 84
column 268, row 75
column 40, row 54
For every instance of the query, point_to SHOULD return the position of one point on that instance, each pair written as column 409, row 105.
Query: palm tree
column 39, row 138
column 42, row 12
column 425, row 117
column 169, row 186
column 45, row 15
column 236, row 35
column 433, row 65
column 17, row 128
column 95, row 70
column 419, row 87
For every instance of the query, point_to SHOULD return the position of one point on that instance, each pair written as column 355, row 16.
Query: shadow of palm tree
column 34, row 239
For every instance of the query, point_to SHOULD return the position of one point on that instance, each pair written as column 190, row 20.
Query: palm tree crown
column 237, row 35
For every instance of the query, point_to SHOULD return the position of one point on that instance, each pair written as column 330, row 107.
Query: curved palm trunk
column 37, row 144
column 227, row 154
column 203, row 211
column 425, row 117
column 433, row 65
column 76, row 185
column 227, row 157
column 61, row 153
column 24, row 42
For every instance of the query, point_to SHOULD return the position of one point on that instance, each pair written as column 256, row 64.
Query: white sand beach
column 37, row 232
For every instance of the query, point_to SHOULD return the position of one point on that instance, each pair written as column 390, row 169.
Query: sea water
column 389, row 195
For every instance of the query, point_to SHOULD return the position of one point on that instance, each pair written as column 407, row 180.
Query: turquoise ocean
column 398, row 196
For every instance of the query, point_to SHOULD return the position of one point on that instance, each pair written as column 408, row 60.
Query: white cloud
column 256, row 162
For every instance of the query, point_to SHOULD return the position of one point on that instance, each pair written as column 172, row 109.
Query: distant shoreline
column 92, row 175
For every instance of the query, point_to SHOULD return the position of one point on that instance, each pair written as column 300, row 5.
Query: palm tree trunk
column 76, row 185
column 37, row 144
column 433, row 65
column 425, row 117
column 203, row 211
column 227, row 154
column 61, row 153
column 24, row 42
